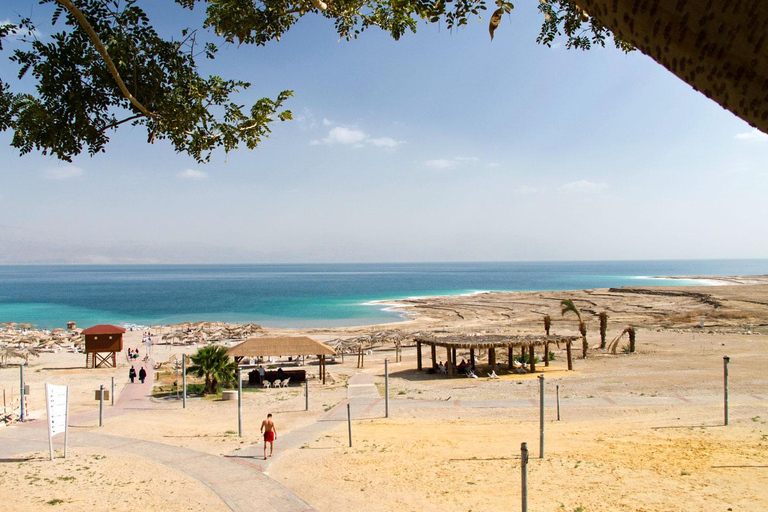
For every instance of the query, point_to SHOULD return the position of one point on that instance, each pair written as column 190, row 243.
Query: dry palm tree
column 603, row 316
column 547, row 323
column 629, row 331
column 567, row 305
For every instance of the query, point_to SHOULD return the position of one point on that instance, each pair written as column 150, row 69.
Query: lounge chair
column 469, row 373
column 284, row 382
column 493, row 375
column 265, row 384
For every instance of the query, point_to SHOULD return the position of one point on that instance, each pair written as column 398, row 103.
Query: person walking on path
column 132, row 374
column 270, row 434
column 142, row 374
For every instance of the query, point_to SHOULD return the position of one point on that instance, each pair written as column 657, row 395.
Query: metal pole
column 184, row 382
column 558, row 402
column 524, row 475
column 726, row 359
column 21, row 388
column 177, row 379
column 239, row 403
column 541, row 416
column 349, row 423
column 101, row 405
column 306, row 394
column 386, row 388
column 66, row 425
column 112, row 395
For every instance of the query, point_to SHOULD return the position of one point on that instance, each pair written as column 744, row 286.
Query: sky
column 443, row 146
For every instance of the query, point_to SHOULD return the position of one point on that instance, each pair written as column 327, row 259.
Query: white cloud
column 342, row 135
column 192, row 174
column 327, row 122
column 754, row 134
column 63, row 173
column 349, row 136
column 584, row 186
column 385, row 142
column 442, row 163
column 451, row 163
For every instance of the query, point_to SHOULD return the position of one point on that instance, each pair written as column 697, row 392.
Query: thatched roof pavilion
column 490, row 343
column 283, row 346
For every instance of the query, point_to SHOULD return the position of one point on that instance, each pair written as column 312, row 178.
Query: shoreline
column 402, row 307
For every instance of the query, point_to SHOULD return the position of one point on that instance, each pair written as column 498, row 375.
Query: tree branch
column 118, row 123
column 94, row 37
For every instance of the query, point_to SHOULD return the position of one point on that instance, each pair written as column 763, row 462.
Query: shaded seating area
column 512, row 343
column 283, row 346
column 272, row 376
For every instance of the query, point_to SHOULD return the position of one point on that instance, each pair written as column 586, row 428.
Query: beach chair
column 493, row 375
column 470, row 374
column 284, row 383
column 442, row 369
column 265, row 384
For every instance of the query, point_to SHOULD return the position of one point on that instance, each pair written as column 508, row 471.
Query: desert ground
column 642, row 431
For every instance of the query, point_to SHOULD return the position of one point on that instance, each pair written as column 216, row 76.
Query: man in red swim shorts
column 270, row 434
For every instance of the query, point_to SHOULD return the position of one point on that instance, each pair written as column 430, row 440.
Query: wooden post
column 472, row 358
column 449, row 363
column 568, row 351
column 532, row 357
column 418, row 356
column 511, row 357
column 322, row 364
column 492, row 358
column 524, row 475
column 546, row 353
column 434, row 356
column 453, row 356
column 726, row 360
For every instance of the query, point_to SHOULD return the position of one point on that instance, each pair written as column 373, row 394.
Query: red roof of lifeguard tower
column 104, row 329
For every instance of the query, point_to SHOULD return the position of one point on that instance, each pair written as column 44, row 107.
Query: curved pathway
column 240, row 484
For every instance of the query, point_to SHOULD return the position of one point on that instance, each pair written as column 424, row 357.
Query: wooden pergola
column 491, row 343
column 283, row 346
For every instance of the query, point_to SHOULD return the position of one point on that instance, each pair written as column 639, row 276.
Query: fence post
column 101, row 405
column 541, row 416
column 239, row 402
column 306, row 394
column 726, row 360
column 386, row 388
column 21, row 390
column 349, row 423
column 524, row 475
column 112, row 396
column 558, row 402
column 184, row 381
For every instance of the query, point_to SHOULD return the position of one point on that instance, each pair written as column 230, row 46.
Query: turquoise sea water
column 300, row 295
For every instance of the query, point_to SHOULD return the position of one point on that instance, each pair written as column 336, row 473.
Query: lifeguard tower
column 102, row 343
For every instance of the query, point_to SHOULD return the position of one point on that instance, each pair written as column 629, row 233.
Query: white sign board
column 57, row 405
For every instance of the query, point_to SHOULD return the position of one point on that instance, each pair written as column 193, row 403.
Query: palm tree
column 213, row 364
column 567, row 305
column 603, row 327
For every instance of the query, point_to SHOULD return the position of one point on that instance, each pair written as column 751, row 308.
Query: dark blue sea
column 301, row 295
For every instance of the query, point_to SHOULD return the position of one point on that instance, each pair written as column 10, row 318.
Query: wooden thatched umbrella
column 283, row 346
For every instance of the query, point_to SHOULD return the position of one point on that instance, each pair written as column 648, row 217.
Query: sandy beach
column 639, row 431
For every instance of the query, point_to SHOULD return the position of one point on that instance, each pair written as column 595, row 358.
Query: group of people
column 133, row 353
column 462, row 367
column 132, row 374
